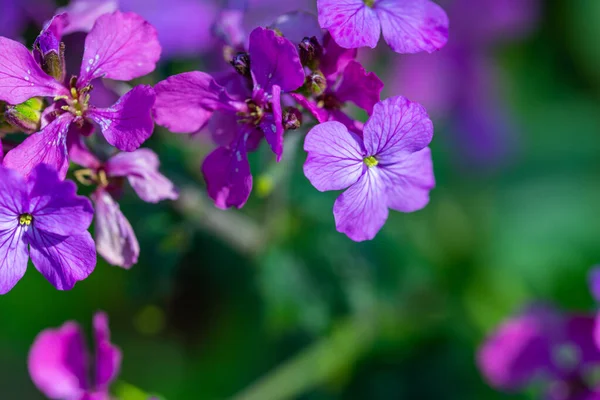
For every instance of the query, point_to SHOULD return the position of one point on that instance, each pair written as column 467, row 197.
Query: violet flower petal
column 272, row 126
column 21, row 78
column 13, row 197
column 352, row 23
column 412, row 26
column 62, row 260
column 362, row 210
column 108, row 356
column 48, row 146
column 128, row 123
column 359, row 86
column 185, row 102
column 57, row 362
column 120, row 46
column 274, row 60
column 141, row 169
column 335, row 157
column 594, row 282
column 115, row 238
column 335, row 58
column 397, row 125
column 15, row 256
column 55, row 204
column 84, row 13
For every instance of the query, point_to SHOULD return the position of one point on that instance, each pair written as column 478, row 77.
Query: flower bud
column 25, row 116
column 292, row 118
column 310, row 50
column 50, row 55
column 241, row 63
column 316, row 83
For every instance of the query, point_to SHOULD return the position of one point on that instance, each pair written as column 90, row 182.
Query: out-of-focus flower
column 121, row 46
column 408, row 26
column 241, row 115
column 59, row 362
column 16, row 13
column 115, row 238
column 544, row 345
column 390, row 167
column 44, row 219
column 461, row 81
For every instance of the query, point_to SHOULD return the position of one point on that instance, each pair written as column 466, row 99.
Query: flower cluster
column 559, row 350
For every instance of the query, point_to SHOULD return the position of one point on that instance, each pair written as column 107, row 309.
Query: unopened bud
column 26, row 116
column 292, row 118
column 49, row 52
column 316, row 83
column 241, row 63
column 310, row 50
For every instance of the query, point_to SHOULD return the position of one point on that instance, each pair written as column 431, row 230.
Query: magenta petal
column 63, row 261
column 55, row 204
column 21, row 78
column 594, row 282
column 359, row 86
column 335, row 157
column 335, row 58
column 185, row 102
column 409, row 181
column 412, row 26
column 115, row 238
column 227, row 175
column 84, row 13
column 78, row 151
column 361, row 211
column 13, row 262
column 108, row 356
column 128, row 123
column 120, row 46
column 141, row 169
column 57, row 362
column 397, row 125
column 350, row 22
column 274, row 60
column 319, row 113
column 49, row 146
column 271, row 124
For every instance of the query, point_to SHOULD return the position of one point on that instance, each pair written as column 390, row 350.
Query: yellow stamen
column 25, row 219
column 371, row 161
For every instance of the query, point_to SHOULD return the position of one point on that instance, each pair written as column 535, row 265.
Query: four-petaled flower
column 59, row 362
column 389, row 167
column 409, row 26
column 42, row 217
column 120, row 46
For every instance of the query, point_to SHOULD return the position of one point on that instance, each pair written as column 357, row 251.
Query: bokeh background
column 270, row 302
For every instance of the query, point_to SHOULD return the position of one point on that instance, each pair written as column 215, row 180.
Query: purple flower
column 240, row 117
column 59, row 362
column 44, row 219
column 408, row 26
column 115, row 238
column 121, row 46
column 390, row 167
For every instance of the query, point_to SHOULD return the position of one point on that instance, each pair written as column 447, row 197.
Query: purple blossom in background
column 16, row 13
column 120, row 46
column 115, row 238
column 544, row 345
column 408, row 26
column 59, row 362
column 240, row 117
column 462, row 81
column 43, row 219
column 389, row 167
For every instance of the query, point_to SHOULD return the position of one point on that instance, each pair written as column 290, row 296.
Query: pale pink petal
column 350, row 22
column 185, row 102
column 115, row 238
column 49, row 146
column 412, row 26
column 120, row 46
column 335, row 157
column 58, row 362
column 128, row 123
column 361, row 211
column 21, row 78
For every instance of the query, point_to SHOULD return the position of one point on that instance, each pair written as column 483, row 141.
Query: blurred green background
column 270, row 302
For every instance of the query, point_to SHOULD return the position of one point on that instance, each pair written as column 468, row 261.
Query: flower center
column 77, row 103
column 253, row 114
column 369, row 3
column 25, row 219
column 371, row 161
